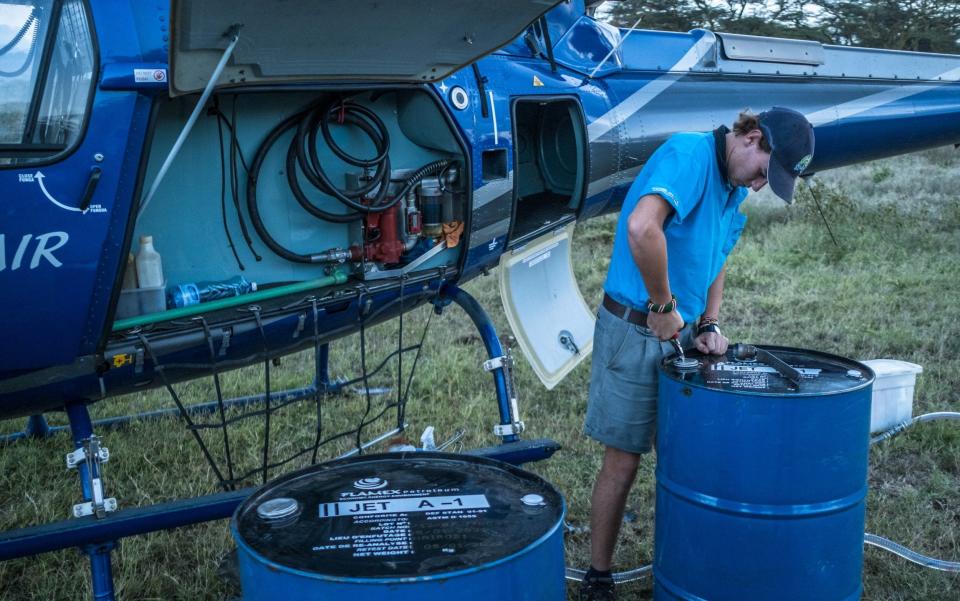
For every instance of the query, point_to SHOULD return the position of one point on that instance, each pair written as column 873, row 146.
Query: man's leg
column 609, row 499
column 621, row 414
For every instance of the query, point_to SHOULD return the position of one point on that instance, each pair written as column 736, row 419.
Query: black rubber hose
column 306, row 146
column 305, row 202
column 348, row 111
column 252, row 179
column 234, row 180
column 433, row 168
column 370, row 124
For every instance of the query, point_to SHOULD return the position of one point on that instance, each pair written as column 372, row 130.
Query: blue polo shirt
column 704, row 228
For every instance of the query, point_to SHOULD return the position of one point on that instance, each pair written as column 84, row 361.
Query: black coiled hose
column 302, row 153
column 303, row 148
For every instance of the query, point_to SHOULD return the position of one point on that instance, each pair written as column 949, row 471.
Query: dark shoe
column 597, row 589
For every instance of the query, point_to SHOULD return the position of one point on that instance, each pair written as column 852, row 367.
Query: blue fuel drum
column 403, row 526
column 761, row 477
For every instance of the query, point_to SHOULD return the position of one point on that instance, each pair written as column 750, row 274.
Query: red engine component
column 385, row 245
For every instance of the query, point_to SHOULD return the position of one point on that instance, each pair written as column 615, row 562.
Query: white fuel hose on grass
column 576, row 574
column 926, row 417
column 896, row 548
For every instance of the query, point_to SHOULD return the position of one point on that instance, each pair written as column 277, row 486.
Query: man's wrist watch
column 708, row 324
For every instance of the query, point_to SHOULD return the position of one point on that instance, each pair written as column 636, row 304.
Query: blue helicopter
column 350, row 162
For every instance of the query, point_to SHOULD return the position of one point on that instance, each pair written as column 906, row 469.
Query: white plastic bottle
column 149, row 266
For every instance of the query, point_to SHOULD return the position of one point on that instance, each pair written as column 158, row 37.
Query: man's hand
column 712, row 343
column 665, row 325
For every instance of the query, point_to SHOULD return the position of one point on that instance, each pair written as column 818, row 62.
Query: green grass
column 888, row 290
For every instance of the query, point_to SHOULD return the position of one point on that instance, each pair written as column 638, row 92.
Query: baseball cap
column 790, row 136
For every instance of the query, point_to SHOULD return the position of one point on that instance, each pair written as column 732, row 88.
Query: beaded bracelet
column 653, row 307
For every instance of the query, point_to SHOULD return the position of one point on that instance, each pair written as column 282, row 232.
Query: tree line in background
column 919, row 25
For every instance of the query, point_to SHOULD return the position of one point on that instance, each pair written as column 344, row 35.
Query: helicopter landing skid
column 97, row 537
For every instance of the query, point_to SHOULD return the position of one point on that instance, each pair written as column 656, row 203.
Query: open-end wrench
column 675, row 341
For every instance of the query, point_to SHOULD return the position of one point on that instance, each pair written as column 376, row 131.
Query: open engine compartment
column 290, row 186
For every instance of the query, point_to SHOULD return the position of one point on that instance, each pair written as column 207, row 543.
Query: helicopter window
column 46, row 76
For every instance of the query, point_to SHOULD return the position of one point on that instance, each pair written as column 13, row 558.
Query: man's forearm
column 715, row 296
column 648, row 245
column 650, row 254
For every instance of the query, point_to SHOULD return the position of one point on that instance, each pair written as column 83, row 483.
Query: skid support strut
column 87, row 457
column 498, row 365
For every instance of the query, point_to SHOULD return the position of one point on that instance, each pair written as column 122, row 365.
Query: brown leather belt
column 624, row 312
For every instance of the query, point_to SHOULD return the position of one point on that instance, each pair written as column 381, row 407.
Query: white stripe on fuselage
column 492, row 191
column 862, row 105
column 636, row 101
column 633, row 103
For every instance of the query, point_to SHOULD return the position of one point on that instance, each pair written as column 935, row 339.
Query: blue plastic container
column 761, row 484
column 403, row 526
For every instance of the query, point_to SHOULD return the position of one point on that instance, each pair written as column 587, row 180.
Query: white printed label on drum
column 392, row 527
column 404, row 505
column 804, row 371
column 751, row 376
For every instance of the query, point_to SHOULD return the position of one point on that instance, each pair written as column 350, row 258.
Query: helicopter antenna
column 615, row 48
column 234, row 34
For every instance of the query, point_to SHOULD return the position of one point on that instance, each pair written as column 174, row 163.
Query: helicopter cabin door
column 551, row 321
column 548, row 315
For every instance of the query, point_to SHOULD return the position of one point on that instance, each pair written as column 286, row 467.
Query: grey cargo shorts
column 622, row 403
